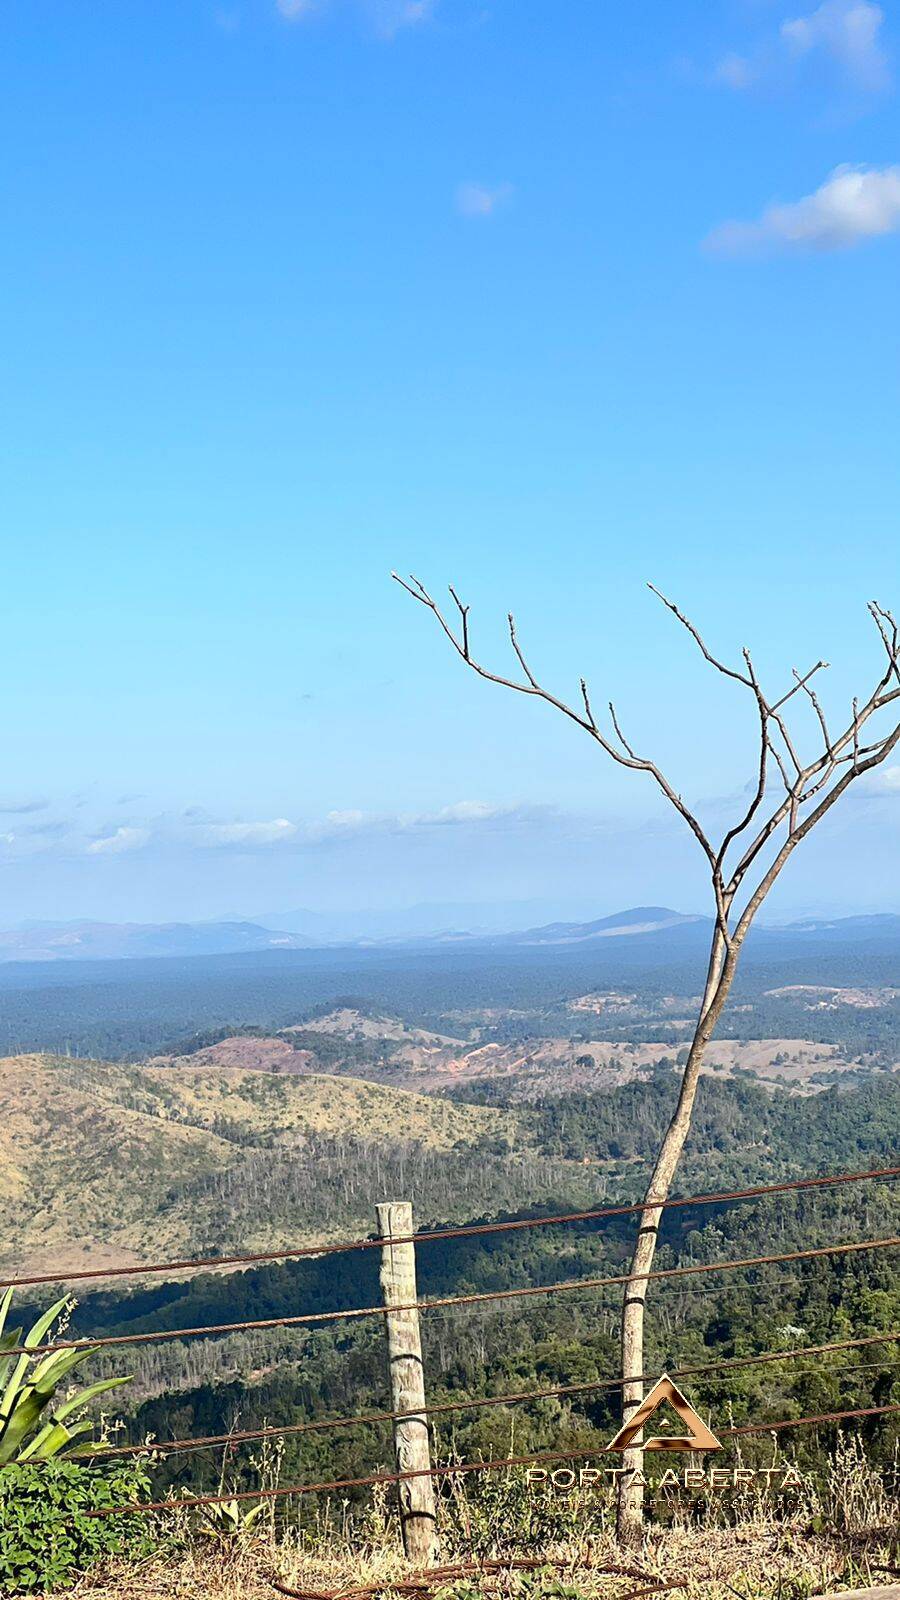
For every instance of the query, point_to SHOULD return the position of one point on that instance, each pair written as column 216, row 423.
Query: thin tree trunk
column 722, row 963
column 824, row 779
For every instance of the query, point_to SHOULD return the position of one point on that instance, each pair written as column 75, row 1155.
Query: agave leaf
column 8, row 1342
column 37, row 1441
column 5, row 1304
column 35, row 1335
column 53, row 1440
column 49, row 1373
column 27, row 1410
column 32, row 1386
column 85, row 1395
column 33, row 1338
column 11, row 1392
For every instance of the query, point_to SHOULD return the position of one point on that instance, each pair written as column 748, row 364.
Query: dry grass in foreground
column 761, row 1563
column 842, row 1533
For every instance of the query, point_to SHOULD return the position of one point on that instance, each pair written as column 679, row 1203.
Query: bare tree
column 790, row 795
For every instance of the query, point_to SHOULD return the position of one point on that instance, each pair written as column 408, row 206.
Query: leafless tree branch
column 810, row 789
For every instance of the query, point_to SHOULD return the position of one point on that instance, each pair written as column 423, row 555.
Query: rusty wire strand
column 190, row 1502
column 305, row 1319
column 469, row 1231
column 418, row 1583
column 247, row 1435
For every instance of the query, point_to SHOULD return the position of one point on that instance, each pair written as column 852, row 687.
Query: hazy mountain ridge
column 117, row 941
column 109, row 941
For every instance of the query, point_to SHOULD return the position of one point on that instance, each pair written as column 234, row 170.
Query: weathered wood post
column 418, row 1518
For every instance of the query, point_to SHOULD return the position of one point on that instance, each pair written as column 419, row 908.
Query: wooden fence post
column 418, row 1518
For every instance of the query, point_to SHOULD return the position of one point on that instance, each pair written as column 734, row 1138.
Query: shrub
column 33, row 1387
column 46, row 1536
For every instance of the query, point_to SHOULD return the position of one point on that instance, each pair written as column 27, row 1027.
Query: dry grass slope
column 93, row 1155
column 758, row 1562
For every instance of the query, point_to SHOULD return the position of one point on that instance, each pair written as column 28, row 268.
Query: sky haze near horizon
column 543, row 303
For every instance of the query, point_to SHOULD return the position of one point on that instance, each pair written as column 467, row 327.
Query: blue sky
column 543, row 301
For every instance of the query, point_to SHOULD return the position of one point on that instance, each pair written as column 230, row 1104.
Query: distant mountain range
column 644, row 920
column 112, row 941
column 623, row 925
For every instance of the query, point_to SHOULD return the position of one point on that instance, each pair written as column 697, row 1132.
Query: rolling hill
column 123, row 1164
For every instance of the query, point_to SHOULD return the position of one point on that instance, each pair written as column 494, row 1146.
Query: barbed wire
column 191, row 1502
column 470, row 1230
column 443, row 1408
column 305, row 1319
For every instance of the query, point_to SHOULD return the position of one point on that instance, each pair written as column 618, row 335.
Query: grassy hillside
column 119, row 1163
column 109, row 1164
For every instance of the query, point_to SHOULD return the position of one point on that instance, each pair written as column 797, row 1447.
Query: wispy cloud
column 116, row 844
column 20, row 807
column 734, row 71
column 387, row 17
column 462, row 813
column 850, row 32
column 245, row 833
column 481, row 200
column 883, row 781
column 390, row 16
column 195, row 830
column 853, row 204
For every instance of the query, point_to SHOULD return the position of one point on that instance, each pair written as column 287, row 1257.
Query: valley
column 529, row 1087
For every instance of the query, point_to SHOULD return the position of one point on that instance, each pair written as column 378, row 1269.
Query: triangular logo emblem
column 698, row 1436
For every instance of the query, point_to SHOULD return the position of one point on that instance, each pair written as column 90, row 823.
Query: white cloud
column 884, row 780
column 734, row 71
column 854, row 203
column 387, row 17
column 117, row 843
column 345, row 824
column 245, row 833
column 849, row 31
column 462, row 811
column 340, row 824
column 477, row 200
column 195, row 829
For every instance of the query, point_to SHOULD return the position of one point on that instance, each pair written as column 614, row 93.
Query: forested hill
column 200, row 1385
column 149, row 1161
column 741, row 1136
column 133, row 1008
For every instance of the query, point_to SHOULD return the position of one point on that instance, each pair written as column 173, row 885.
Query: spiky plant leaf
column 49, row 1373
column 53, row 1439
column 33, row 1338
column 25, row 1414
column 5, row 1304
column 84, row 1396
